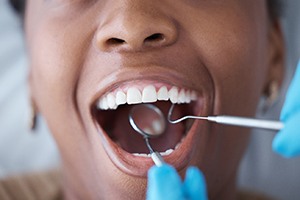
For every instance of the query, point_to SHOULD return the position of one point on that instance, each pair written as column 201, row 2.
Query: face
column 92, row 61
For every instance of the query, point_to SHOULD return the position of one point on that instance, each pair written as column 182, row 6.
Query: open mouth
column 127, row 148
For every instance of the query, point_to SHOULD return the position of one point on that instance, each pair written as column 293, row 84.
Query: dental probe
column 232, row 120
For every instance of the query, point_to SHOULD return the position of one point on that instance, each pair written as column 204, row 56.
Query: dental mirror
column 149, row 121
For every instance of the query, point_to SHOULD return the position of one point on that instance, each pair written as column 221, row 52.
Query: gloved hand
column 287, row 141
column 165, row 184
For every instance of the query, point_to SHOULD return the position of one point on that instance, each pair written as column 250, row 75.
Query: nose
column 136, row 28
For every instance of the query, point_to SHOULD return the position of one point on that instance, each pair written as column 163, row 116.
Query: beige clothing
column 38, row 186
column 47, row 186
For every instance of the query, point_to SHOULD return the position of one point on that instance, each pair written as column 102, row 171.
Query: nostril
column 154, row 38
column 114, row 41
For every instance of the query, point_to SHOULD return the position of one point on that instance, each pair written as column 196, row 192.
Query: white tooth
column 99, row 104
column 179, row 143
column 167, row 152
column 111, row 101
column 149, row 94
column 162, row 93
column 102, row 104
column 193, row 96
column 181, row 96
column 120, row 98
column 187, row 97
column 173, row 94
column 134, row 96
column 141, row 155
column 162, row 153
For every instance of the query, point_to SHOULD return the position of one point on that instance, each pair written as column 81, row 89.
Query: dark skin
column 227, row 51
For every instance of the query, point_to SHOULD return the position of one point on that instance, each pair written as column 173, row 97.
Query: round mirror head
column 148, row 120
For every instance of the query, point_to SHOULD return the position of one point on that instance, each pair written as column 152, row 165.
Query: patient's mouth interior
column 116, row 125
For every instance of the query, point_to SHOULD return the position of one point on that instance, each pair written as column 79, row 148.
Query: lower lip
column 138, row 166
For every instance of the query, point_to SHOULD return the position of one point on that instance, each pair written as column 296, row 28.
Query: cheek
column 55, row 63
column 55, row 68
column 235, row 50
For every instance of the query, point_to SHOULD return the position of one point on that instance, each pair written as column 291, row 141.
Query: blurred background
column 261, row 169
column 22, row 150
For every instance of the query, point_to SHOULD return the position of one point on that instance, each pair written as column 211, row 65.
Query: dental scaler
column 232, row 120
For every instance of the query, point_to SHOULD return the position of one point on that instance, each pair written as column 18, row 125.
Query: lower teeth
column 142, row 155
column 166, row 153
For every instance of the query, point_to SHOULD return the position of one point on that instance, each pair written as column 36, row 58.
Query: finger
column 287, row 141
column 194, row 184
column 164, row 184
column 292, row 102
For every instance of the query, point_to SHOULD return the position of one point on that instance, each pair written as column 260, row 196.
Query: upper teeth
column 149, row 94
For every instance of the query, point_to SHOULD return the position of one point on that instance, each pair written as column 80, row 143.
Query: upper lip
column 158, row 74
column 138, row 166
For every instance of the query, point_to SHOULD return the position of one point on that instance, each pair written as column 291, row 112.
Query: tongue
column 133, row 142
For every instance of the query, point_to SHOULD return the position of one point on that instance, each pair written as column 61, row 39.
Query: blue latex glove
column 165, row 184
column 287, row 141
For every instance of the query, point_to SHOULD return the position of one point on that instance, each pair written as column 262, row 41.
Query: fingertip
column 298, row 69
column 279, row 146
column 291, row 104
column 282, row 148
column 195, row 172
column 164, row 170
column 164, row 183
column 287, row 141
column 194, row 184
